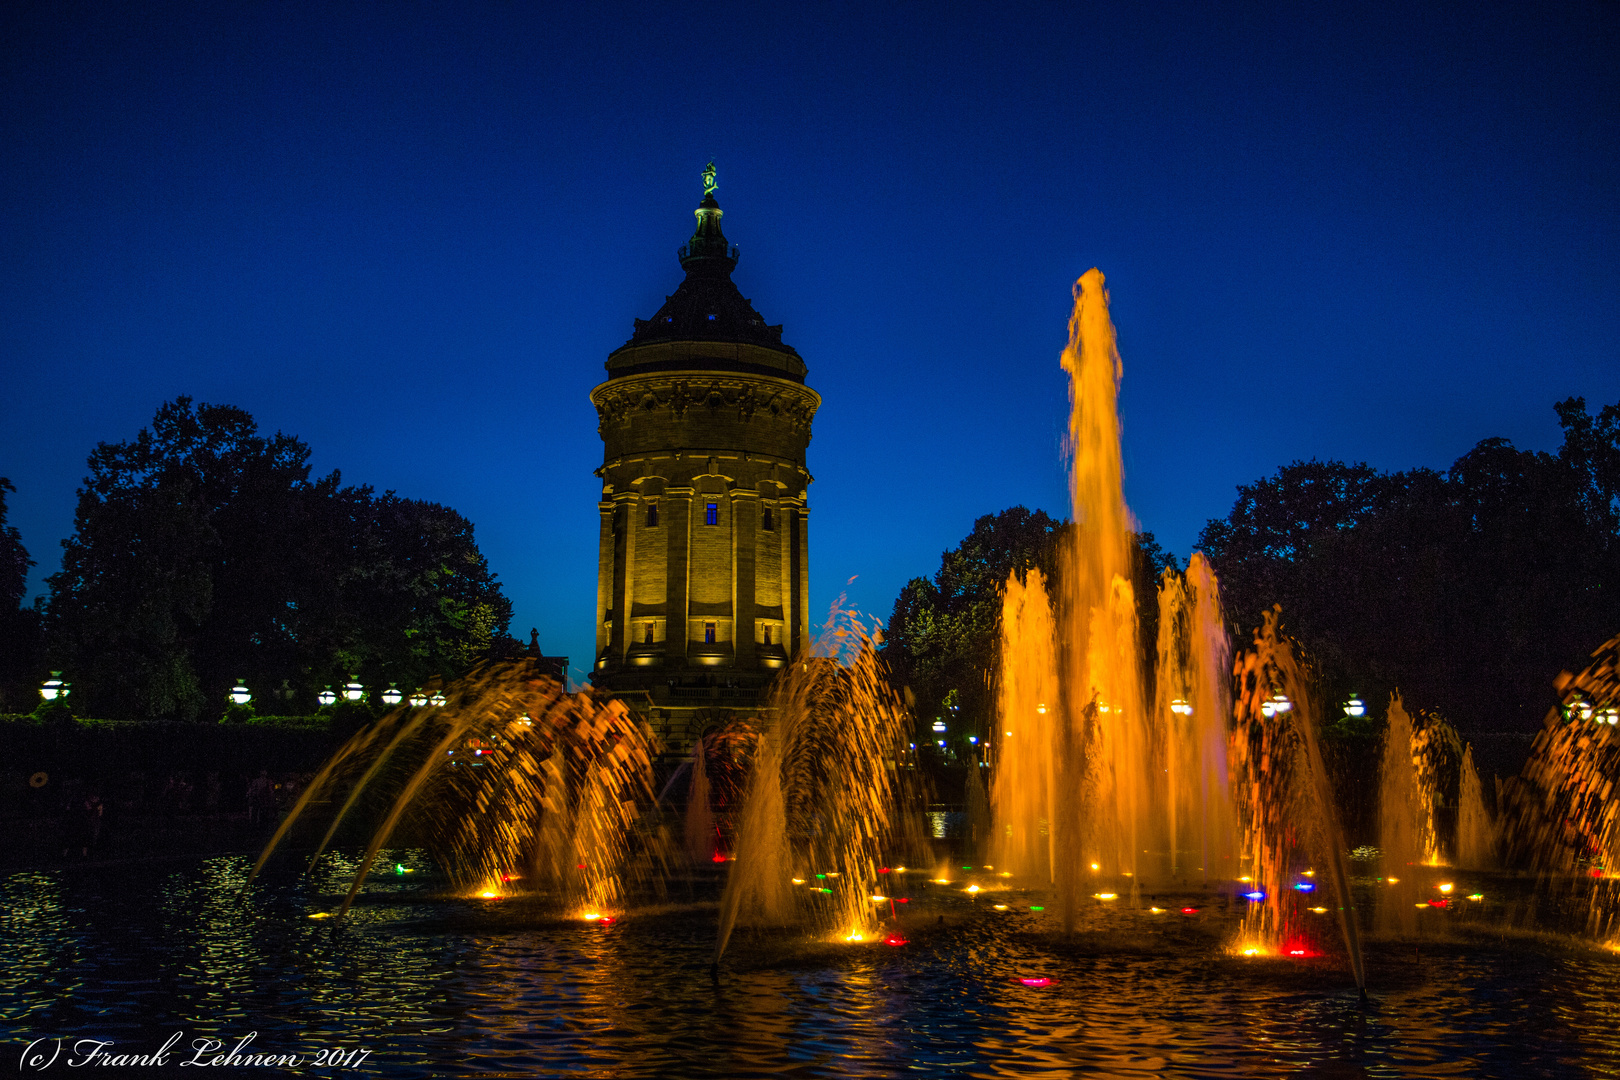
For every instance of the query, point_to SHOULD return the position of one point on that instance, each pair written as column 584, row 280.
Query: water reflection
column 439, row 987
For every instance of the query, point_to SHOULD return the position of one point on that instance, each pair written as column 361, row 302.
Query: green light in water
column 823, row 877
column 1034, row 907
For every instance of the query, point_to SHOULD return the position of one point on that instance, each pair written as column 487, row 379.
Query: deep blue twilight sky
column 411, row 233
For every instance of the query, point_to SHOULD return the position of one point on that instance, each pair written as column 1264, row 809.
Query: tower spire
column 708, row 252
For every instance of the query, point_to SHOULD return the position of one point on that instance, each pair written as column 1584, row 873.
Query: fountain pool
column 435, row 985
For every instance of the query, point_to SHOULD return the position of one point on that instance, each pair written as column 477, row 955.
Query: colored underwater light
column 718, row 857
column 1305, row 886
column 1156, row 910
column 1447, row 887
column 1320, row 910
column 320, row 914
column 1001, row 907
column 798, row 881
column 1037, row 982
column 1296, row 952
column 896, row 940
column 1189, row 911
column 592, row 916
column 1476, row 896
column 883, row 869
column 1036, row 907
column 487, row 895
column 1256, row 895
column 972, row 888
column 1106, row 896
column 879, row 899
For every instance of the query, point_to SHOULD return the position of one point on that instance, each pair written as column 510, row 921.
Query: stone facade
column 703, row 571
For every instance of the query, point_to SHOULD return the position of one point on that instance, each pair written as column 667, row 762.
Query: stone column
column 676, row 625
column 604, row 580
column 628, row 503
column 744, row 539
column 801, row 578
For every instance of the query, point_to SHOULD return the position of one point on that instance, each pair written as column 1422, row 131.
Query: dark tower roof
column 707, row 308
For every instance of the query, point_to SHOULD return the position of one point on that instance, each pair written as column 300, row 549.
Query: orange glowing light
column 1447, row 887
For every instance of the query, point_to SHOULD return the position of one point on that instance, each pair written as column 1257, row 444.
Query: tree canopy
column 942, row 637
column 19, row 626
column 1468, row 590
column 203, row 552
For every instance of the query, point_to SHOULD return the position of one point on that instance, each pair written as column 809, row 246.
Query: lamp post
column 354, row 691
column 240, row 695
column 392, row 696
column 326, row 697
column 53, row 687
column 1354, row 707
column 437, row 700
column 418, row 699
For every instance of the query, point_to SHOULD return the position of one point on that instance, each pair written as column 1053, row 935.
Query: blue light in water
column 1305, row 886
column 1256, row 895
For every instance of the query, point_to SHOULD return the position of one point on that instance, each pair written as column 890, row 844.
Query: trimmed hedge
column 104, row 749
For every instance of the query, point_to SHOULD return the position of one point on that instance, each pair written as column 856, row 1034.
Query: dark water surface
column 437, row 987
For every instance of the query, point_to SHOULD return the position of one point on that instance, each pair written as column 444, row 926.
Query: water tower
column 703, row 572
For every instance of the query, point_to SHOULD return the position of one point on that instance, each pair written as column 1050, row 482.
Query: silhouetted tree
column 942, row 638
column 1467, row 590
column 20, row 657
column 203, row 552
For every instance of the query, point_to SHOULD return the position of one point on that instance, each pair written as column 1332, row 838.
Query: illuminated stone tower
column 703, row 574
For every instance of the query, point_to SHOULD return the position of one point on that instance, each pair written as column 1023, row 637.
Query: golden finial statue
column 708, row 180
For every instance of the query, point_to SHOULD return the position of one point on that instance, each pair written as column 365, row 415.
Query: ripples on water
column 435, row 987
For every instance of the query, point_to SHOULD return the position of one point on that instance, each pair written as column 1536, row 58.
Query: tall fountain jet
column 1079, row 792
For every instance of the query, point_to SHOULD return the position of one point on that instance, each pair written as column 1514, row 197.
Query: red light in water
column 606, row 919
column 718, row 857
column 1037, row 982
column 1296, row 952
column 1189, row 911
column 883, row 869
column 902, row 900
column 1598, row 872
column 1438, row 903
column 582, row 866
column 895, row 939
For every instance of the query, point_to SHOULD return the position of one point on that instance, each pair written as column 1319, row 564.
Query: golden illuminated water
column 821, row 798
column 1405, row 824
column 514, row 779
column 1292, row 845
column 1094, row 788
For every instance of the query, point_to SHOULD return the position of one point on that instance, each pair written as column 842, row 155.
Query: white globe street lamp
column 53, row 687
column 392, row 696
column 326, row 697
column 240, row 694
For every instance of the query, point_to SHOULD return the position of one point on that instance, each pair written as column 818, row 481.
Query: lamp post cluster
column 53, row 688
